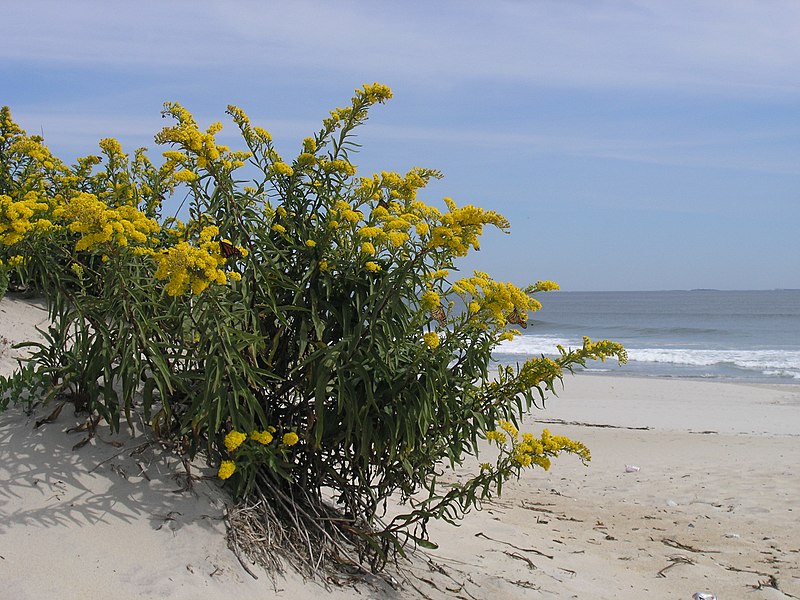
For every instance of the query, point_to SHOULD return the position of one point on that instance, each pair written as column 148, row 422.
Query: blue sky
column 632, row 145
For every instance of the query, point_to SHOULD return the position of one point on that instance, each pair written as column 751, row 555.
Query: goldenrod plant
column 304, row 330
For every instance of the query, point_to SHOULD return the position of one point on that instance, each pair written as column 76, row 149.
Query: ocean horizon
column 728, row 335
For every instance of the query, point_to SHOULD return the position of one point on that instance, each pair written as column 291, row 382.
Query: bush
column 304, row 329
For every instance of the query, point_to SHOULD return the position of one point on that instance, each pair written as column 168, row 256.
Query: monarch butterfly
column 439, row 314
column 228, row 250
column 515, row 318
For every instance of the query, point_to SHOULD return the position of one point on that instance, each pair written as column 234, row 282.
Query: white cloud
column 742, row 47
column 759, row 150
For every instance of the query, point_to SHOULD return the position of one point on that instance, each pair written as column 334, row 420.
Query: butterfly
column 228, row 250
column 439, row 314
column 515, row 318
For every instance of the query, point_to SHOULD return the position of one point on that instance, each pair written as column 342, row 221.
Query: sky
column 632, row 145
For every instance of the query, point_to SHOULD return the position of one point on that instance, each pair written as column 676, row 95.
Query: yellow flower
column 311, row 243
column 18, row 260
column 262, row 437
column 508, row 426
column 290, row 439
column 226, row 469
column 353, row 216
column 187, row 266
column 283, row 169
column 99, row 224
column 309, row 145
column 496, row 436
column 279, row 228
column 373, row 267
column 370, row 232
column 459, row 228
column 76, row 268
column 546, row 286
column 234, row 439
column 430, row 300
column 375, row 92
column 522, row 459
column 186, row 175
column 368, row 248
column 397, row 238
column 431, row 339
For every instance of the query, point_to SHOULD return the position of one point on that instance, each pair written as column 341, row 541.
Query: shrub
column 304, row 329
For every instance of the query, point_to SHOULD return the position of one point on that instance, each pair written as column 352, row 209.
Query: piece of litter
column 703, row 596
column 631, row 468
column 672, row 503
column 735, row 536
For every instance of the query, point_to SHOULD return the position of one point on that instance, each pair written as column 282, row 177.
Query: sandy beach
column 709, row 502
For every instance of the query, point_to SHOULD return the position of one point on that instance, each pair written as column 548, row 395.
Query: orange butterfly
column 515, row 318
column 439, row 314
column 228, row 250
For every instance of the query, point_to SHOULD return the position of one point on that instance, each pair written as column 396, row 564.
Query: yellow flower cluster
column 460, row 228
column 226, row 469
column 538, row 369
column 338, row 165
column 545, row 286
column 431, row 339
column 17, row 218
column 262, row 437
column 32, row 148
column 200, row 149
column 602, row 349
column 281, row 168
column 34, row 167
column 530, row 451
column 498, row 299
column 367, row 95
column 117, row 182
column 496, row 436
column 344, row 212
column 393, row 187
column 187, row 266
column 233, row 442
column 509, row 335
column 234, row 439
column 375, row 92
column 8, row 128
column 429, row 300
column 309, row 145
column 99, row 224
column 260, row 142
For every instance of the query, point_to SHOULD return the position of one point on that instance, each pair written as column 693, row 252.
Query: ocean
column 750, row 336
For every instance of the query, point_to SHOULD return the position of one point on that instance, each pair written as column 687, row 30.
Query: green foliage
column 3, row 281
column 301, row 329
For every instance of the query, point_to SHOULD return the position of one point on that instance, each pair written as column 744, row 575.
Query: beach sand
column 714, row 506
